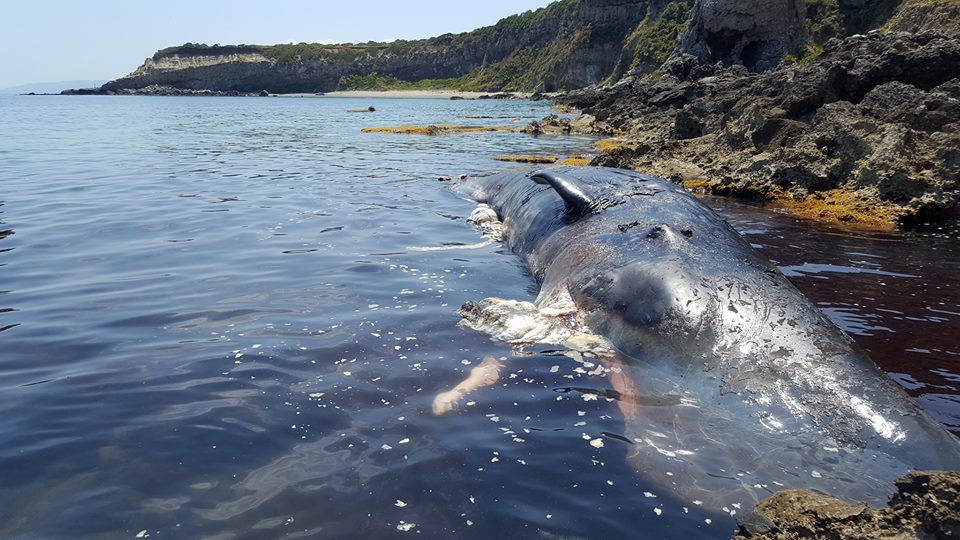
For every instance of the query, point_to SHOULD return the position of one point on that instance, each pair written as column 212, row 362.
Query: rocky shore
column 159, row 90
column 925, row 506
column 867, row 133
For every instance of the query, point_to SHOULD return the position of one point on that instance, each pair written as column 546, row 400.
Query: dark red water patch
column 896, row 294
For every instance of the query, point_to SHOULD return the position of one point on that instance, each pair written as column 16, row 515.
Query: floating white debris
column 589, row 397
column 399, row 504
column 554, row 369
column 816, row 474
column 387, row 447
column 581, row 413
column 597, row 443
column 406, row 527
column 610, row 482
column 403, row 441
column 708, row 521
column 142, row 534
column 657, row 511
column 469, row 523
column 649, row 495
column 257, row 346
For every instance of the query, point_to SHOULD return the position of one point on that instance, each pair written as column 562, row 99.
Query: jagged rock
column 755, row 33
column 926, row 505
column 583, row 124
column 876, row 118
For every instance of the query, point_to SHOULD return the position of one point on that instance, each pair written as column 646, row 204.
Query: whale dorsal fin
column 577, row 202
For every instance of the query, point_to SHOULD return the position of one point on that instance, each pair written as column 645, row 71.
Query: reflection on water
column 896, row 293
column 215, row 325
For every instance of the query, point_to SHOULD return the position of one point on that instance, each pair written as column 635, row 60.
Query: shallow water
column 216, row 321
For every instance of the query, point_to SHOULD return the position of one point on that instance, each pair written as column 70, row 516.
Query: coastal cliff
column 568, row 44
column 861, row 129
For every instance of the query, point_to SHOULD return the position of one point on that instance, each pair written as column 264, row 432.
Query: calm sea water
column 218, row 320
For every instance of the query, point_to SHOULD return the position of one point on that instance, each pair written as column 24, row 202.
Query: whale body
column 731, row 383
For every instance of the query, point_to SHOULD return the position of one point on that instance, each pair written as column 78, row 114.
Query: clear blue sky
column 56, row 40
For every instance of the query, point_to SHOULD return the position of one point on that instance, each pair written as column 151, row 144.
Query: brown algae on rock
column 612, row 144
column 576, row 161
column 860, row 209
column 527, row 159
column 439, row 129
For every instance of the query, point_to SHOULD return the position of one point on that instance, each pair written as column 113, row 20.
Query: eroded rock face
column 868, row 133
column 755, row 33
column 919, row 15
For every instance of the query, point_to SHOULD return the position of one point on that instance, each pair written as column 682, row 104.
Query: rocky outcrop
column 754, row 33
column 867, row 133
column 927, row 15
column 157, row 90
column 568, row 44
column 926, row 505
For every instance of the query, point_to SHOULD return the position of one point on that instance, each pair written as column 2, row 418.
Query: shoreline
column 410, row 94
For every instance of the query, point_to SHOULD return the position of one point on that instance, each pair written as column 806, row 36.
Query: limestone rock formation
column 755, row 33
column 867, row 133
column 927, row 15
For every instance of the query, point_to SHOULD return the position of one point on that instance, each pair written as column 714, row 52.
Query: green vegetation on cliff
column 377, row 82
column 202, row 49
column 824, row 20
column 529, row 68
column 652, row 41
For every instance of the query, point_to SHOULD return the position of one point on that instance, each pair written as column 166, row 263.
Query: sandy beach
column 405, row 94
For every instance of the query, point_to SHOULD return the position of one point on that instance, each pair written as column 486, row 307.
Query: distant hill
column 50, row 87
column 568, row 44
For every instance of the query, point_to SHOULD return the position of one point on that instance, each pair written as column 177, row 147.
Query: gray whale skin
column 732, row 384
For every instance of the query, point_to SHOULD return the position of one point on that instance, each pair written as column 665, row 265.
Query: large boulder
column 754, row 33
